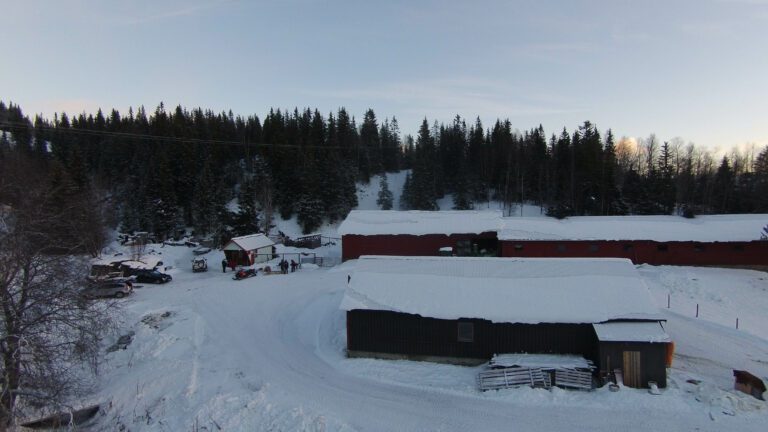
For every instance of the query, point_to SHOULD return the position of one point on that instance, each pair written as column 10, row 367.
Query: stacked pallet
column 536, row 371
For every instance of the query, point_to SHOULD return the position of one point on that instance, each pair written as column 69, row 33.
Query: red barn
column 717, row 240
column 419, row 233
column 724, row 240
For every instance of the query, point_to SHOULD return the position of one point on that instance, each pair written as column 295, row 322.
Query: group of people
column 284, row 265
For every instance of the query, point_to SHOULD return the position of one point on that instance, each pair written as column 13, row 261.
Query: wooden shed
column 249, row 250
column 465, row 310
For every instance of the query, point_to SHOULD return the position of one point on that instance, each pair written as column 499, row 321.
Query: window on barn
column 738, row 247
column 594, row 248
column 698, row 247
column 662, row 247
column 561, row 247
column 518, row 246
column 628, row 247
column 465, row 332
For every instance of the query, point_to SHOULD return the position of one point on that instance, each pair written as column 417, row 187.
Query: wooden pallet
column 513, row 377
column 572, row 378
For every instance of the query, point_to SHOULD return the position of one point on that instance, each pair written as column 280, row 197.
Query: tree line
column 581, row 172
column 171, row 169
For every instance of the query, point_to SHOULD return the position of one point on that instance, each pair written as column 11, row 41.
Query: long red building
column 728, row 240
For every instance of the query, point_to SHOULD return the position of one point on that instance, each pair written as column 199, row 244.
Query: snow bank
column 527, row 290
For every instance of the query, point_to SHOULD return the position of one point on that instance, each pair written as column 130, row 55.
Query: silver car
column 113, row 288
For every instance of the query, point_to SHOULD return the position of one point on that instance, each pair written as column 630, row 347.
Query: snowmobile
column 244, row 274
column 199, row 265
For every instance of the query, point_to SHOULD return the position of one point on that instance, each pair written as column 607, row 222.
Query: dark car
column 114, row 288
column 152, row 276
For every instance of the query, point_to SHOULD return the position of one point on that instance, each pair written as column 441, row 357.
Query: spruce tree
column 385, row 198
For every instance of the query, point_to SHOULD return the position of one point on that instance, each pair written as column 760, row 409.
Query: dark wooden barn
column 465, row 310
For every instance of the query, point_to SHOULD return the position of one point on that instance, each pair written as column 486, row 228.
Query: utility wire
column 149, row 137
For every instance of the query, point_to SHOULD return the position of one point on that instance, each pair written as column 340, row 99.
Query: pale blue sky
column 695, row 69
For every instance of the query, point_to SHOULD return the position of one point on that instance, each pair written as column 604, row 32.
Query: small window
column 518, row 246
column 465, row 332
column 662, row 247
column 561, row 248
column 628, row 247
column 698, row 247
column 738, row 247
column 594, row 248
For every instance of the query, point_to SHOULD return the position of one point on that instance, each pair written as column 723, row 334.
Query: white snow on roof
column 543, row 361
column 711, row 228
column 513, row 290
column 249, row 242
column 414, row 222
column 631, row 332
column 145, row 262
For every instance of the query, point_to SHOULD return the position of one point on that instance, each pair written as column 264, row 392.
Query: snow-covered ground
column 267, row 353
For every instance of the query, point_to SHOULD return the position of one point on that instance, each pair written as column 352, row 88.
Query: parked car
column 113, row 288
column 152, row 276
column 199, row 264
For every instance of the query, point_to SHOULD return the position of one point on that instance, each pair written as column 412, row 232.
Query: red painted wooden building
column 726, row 240
column 419, row 233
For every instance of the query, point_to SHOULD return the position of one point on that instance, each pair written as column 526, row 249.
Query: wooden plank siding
column 353, row 246
column 735, row 254
column 414, row 336
column 650, row 356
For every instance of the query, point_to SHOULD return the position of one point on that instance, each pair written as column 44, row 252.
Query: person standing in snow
column 293, row 266
column 224, row 265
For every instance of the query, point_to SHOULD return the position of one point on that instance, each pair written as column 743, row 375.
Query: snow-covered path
column 266, row 353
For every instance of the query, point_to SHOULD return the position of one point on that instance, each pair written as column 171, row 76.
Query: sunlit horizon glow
column 693, row 71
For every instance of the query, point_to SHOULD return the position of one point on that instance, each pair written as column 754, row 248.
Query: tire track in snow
column 197, row 341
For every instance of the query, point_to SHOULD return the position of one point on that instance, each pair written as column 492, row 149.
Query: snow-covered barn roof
column 631, row 332
column 711, row 228
column 513, row 290
column 414, row 222
column 249, row 242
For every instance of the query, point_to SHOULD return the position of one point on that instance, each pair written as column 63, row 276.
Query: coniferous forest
column 168, row 169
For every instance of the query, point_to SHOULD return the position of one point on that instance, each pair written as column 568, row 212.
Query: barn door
column 632, row 369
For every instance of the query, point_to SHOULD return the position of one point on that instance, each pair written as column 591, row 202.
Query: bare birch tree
column 48, row 333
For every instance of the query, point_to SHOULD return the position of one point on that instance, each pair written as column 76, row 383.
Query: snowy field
column 267, row 353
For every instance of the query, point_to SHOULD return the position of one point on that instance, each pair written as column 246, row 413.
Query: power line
column 150, row 137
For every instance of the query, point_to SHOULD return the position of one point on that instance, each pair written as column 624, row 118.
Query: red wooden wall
column 753, row 253
column 353, row 246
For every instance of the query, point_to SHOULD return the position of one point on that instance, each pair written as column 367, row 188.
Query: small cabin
column 249, row 250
